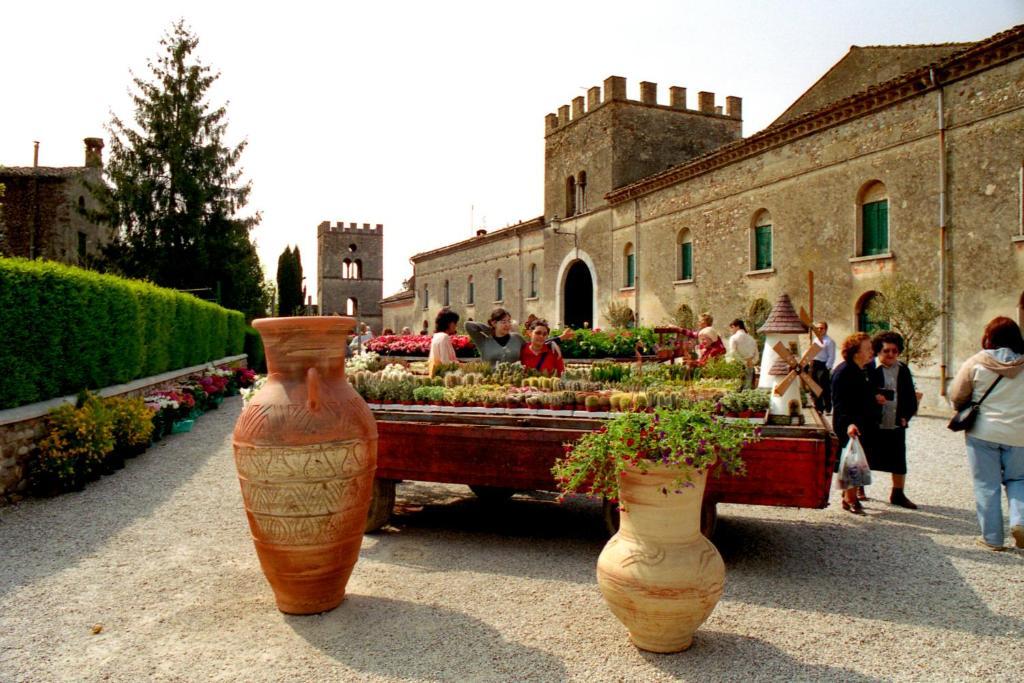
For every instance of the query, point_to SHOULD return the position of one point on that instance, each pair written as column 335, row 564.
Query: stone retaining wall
column 22, row 427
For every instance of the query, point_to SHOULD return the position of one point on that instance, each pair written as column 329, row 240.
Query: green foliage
column 291, row 294
column 175, row 186
column 616, row 343
column 66, row 329
column 689, row 439
column 619, row 314
column 910, row 313
column 257, row 359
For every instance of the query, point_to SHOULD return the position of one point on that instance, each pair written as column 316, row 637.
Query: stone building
column 44, row 209
column 350, row 271
column 901, row 159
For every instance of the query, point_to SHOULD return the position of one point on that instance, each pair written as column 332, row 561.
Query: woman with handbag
column 855, row 403
column 992, row 381
column 896, row 384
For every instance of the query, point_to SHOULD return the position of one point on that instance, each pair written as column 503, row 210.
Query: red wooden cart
column 497, row 455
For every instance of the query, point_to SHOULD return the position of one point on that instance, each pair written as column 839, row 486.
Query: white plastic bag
column 853, row 466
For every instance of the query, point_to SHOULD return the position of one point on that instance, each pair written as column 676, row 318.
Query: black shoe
column 897, row 498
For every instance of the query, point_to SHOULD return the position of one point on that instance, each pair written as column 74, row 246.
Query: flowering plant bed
column 416, row 345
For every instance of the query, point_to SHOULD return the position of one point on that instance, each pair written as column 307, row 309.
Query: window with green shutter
column 686, row 261
column 499, row 289
column 762, row 247
column 630, row 270
column 875, row 224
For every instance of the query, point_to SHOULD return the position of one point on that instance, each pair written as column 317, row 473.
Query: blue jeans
column 993, row 464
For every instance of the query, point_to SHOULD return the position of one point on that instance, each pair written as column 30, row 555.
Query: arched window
column 533, row 280
column 426, row 296
column 873, row 216
column 352, row 306
column 570, row 197
column 346, row 269
column 761, row 241
column 447, row 294
column 470, row 292
column 357, row 269
column 629, row 265
column 684, row 252
column 868, row 318
column 499, row 287
column 581, row 192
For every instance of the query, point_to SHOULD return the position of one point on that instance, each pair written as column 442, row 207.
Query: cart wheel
column 492, row 495
column 708, row 518
column 381, row 504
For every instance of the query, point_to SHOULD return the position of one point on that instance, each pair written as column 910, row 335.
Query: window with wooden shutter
column 686, row 261
column 875, row 222
column 630, row 270
column 762, row 247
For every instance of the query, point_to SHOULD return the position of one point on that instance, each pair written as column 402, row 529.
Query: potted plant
column 658, row 574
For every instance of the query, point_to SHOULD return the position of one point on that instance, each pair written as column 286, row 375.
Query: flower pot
column 306, row 452
column 215, row 401
column 658, row 574
column 182, row 426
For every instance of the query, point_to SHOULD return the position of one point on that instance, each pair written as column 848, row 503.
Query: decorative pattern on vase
column 306, row 453
column 660, row 577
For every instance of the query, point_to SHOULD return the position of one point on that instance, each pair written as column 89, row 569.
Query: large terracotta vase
column 306, row 451
column 659, row 575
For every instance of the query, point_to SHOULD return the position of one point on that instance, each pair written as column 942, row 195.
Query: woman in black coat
column 893, row 379
column 855, row 403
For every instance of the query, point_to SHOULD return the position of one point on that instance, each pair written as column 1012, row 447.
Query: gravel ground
column 159, row 556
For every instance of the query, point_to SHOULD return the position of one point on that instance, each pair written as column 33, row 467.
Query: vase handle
column 313, row 389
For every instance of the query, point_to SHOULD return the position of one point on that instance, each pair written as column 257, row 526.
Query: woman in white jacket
column 995, row 444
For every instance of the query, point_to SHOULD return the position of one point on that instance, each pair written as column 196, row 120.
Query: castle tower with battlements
column 350, row 271
column 599, row 144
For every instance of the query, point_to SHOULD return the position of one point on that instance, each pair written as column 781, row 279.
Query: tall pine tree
column 290, row 292
column 175, row 187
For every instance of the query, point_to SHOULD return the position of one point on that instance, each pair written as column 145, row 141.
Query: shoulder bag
column 965, row 417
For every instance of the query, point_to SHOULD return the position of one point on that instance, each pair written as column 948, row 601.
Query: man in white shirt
column 743, row 347
column 821, row 367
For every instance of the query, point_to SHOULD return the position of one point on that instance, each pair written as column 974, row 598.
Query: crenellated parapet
column 354, row 228
column 614, row 90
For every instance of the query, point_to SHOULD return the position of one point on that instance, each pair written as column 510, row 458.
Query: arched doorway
column 578, row 298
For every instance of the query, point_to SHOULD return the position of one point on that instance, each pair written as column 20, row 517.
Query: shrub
column 66, row 329
column 131, row 422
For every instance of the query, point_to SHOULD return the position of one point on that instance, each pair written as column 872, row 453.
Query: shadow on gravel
column 877, row 569
column 404, row 640
column 745, row 659
column 521, row 535
column 42, row 536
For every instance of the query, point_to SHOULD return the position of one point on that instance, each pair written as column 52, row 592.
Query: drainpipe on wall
column 636, row 264
column 943, row 284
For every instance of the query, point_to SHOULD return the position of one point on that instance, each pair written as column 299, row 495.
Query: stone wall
column 809, row 177
column 21, row 428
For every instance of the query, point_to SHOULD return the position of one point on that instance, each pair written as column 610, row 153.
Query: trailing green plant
column 689, row 440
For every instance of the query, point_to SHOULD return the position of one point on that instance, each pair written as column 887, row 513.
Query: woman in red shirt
column 539, row 354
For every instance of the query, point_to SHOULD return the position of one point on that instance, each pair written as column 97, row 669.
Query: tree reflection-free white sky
column 410, row 113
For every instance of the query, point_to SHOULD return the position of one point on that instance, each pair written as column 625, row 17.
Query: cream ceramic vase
column 658, row 574
column 306, row 452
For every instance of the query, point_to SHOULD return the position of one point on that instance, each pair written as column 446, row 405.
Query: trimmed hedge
column 64, row 329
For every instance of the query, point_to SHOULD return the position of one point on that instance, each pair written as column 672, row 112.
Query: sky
column 427, row 117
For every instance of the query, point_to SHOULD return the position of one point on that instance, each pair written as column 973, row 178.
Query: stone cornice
column 999, row 49
column 518, row 229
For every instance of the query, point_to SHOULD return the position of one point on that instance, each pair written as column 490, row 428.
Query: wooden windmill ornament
column 780, row 368
column 796, row 369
